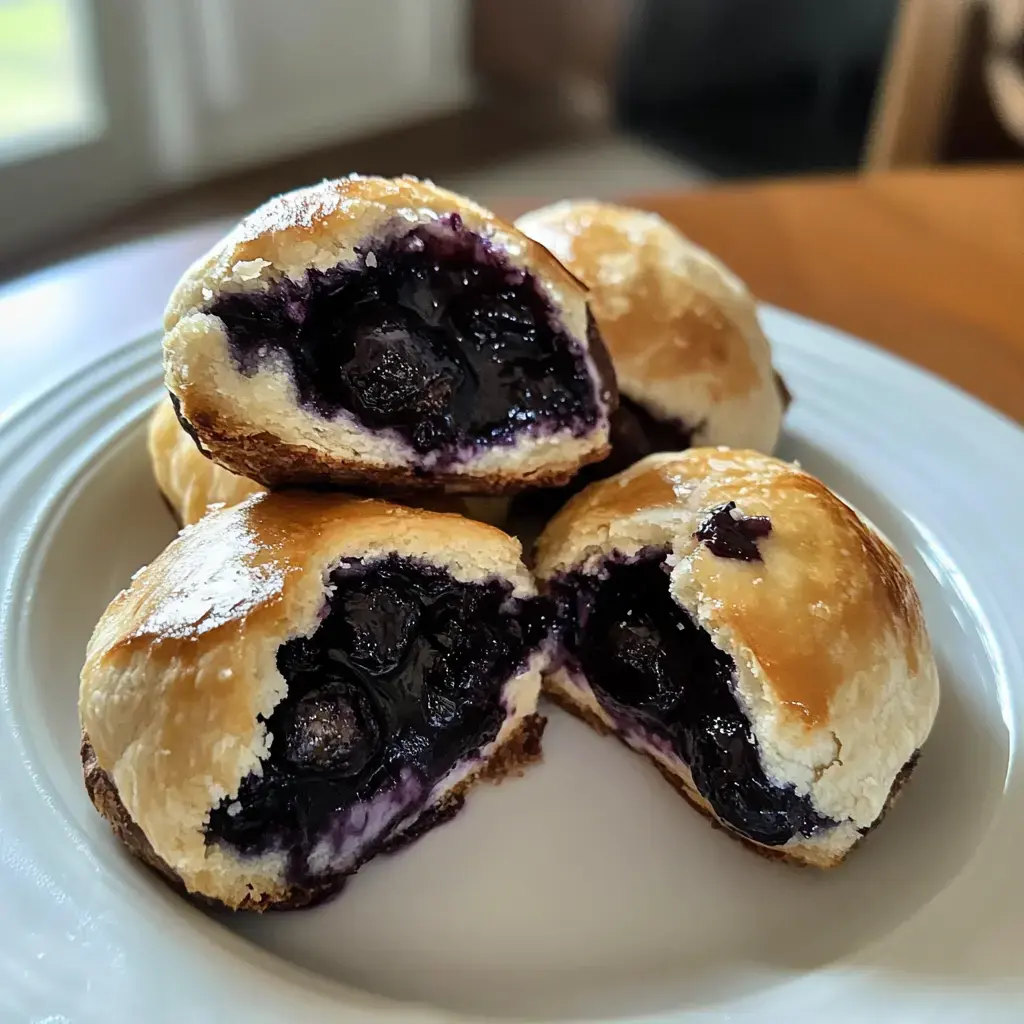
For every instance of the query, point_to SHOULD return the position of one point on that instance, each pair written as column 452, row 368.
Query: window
column 47, row 90
column 106, row 102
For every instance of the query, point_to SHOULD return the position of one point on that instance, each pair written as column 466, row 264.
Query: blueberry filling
column 431, row 334
column 733, row 536
column 634, row 433
column 402, row 679
column 656, row 671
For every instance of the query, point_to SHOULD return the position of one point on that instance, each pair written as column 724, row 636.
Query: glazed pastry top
column 820, row 614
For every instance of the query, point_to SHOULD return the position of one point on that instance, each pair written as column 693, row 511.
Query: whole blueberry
column 375, row 626
column 394, row 370
column 333, row 731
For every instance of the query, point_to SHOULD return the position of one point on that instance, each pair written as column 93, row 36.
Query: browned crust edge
column 768, row 852
column 510, row 760
column 269, row 461
column 784, row 393
column 170, row 507
column 522, row 748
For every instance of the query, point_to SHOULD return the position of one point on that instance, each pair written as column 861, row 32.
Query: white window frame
column 70, row 184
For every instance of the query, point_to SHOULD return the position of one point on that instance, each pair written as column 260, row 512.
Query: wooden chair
column 932, row 64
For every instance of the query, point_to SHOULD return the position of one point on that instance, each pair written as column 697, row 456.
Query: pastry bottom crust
column 278, row 464
column 522, row 747
column 823, row 859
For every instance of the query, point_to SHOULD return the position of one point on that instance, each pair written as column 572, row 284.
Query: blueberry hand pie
column 692, row 362
column 302, row 681
column 728, row 616
column 189, row 481
column 369, row 330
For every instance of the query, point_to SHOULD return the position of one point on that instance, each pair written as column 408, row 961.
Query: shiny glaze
column 828, row 593
column 231, row 568
column 432, row 334
column 654, row 670
column 402, row 679
column 321, row 213
column 246, row 560
column 661, row 486
column 821, row 606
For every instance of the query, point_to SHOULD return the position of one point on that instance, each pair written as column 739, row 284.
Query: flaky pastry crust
column 189, row 481
column 193, row 484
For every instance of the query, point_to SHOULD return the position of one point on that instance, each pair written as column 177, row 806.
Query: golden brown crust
column 189, row 480
column 682, row 331
column 181, row 670
column 277, row 464
column 834, row 664
column 654, row 316
column 289, row 227
column 827, row 586
column 521, row 749
column 251, row 423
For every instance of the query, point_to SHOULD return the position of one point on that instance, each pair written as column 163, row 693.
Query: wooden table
column 929, row 265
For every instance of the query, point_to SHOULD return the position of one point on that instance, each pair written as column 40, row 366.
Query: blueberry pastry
column 190, row 482
column 370, row 330
column 693, row 365
column 302, row 681
column 726, row 615
column 193, row 484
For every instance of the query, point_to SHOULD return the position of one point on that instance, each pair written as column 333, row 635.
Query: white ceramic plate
column 586, row 889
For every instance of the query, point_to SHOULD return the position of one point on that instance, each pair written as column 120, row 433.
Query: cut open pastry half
column 387, row 332
column 301, row 681
column 728, row 616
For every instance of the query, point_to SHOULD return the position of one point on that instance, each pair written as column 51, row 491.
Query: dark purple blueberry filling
column 333, row 729
column 653, row 668
column 634, row 433
column 402, row 679
column 431, row 334
column 729, row 537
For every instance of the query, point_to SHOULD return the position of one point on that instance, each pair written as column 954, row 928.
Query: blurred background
column 122, row 117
